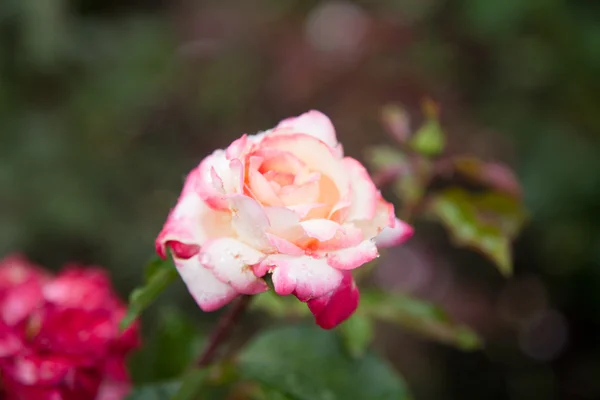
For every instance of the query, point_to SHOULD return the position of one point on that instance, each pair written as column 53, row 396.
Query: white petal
column 305, row 276
column 364, row 193
column 393, row 236
column 230, row 260
column 313, row 123
column 249, row 220
column 209, row 292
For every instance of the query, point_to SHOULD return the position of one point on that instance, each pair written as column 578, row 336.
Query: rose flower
column 59, row 335
column 285, row 202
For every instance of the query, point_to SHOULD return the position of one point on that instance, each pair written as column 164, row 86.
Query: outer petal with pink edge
column 353, row 257
column 365, row 195
column 305, row 276
column 313, row 123
column 191, row 222
column 395, row 235
column 336, row 306
column 184, row 221
column 208, row 291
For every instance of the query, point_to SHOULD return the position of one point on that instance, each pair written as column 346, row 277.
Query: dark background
column 105, row 106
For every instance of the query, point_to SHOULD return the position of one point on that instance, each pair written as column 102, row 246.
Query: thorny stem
column 223, row 329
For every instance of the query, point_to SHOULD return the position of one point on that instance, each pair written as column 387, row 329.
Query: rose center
column 279, row 178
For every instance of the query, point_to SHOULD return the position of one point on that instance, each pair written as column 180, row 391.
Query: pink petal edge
column 337, row 306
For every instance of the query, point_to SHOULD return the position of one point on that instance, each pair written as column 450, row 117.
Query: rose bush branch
column 434, row 185
column 223, row 329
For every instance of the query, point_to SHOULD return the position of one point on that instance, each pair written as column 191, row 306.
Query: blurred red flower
column 59, row 335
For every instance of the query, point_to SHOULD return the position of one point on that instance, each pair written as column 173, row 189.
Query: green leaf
column 411, row 185
column 357, row 333
column 484, row 222
column 493, row 175
column 159, row 274
column 169, row 350
column 159, row 391
column 429, row 140
column 267, row 393
column 418, row 316
column 191, row 386
column 196, row 384
column 308, row 363
column 410, row 189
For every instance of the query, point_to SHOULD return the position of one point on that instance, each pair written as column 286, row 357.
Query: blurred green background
column 106, row 105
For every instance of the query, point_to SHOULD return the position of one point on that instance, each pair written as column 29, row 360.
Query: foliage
column 98, row 123
column 487, row 222
column 159, row 274
column 308, row 363
column 170, row 348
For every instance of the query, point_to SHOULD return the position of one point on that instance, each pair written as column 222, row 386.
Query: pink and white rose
column 286, row 202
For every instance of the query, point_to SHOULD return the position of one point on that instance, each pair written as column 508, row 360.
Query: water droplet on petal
column 205, row 259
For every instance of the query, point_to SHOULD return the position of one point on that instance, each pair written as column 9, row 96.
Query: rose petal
column 86, row 334
column 313, row 123
column 279, row 161
column 306, row 176
column 206, row 180
column 353, row 257
column 306, row 277
column 184, row 221
column 336, row 306
column 347, row 236
column 281, row 219
column 87, row 288
column 208, row 291
column 113, row 390
column 230, row 261
column 364, row 193
column 191, row 222
column 21, row 391
column 249, row 221
column 10, row 342
column 393, row 236
column 16, row 268
column 339, row 212
column 259, row 187
column 320, row 229
column 284, row 246
column 384, row 216
column 20, row 301
column 236, row 148
column 115, row 368
column 317, row 156
column 303, row 210
column 38, row 370
column 306, row 193
column 215, row 178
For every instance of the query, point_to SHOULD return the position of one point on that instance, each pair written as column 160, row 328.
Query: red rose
column 59, row 335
